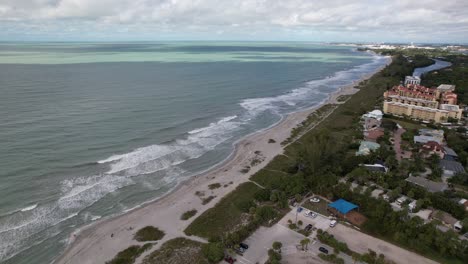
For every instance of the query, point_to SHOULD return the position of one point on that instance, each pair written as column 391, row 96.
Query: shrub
column 214, row 252
column 129, row 255
column 148, row 233
column 214, row 186
column 188, row 214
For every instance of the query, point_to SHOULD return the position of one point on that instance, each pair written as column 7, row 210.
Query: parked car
column 333, row 223
column 324, row 250
column 299, row 209
column 229, row 259
column 315, row 200
column 311, row 214
column 306, row 212
column 386, row 197
column 308, row 227
column 244, row 246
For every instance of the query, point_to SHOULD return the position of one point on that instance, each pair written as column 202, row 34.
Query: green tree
column 298, row 198
column 277, row 246
column 213, row 251
column 304, row 243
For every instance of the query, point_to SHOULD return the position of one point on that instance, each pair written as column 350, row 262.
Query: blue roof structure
column 343, row 206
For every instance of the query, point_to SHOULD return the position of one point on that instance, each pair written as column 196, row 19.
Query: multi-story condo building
column 412, row 80
column 423, row 103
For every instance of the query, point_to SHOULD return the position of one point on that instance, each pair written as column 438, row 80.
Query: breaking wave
column 162, row 161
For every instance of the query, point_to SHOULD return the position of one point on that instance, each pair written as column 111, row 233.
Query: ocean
column 90, row 130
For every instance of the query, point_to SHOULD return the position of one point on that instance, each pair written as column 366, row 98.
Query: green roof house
column 366, row 147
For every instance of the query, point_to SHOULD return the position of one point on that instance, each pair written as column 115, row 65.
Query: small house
column 450, row 167
column 450, row 154
column 366, row 147
column 432, row 148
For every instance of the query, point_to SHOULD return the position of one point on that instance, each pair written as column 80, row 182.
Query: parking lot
column 319, row 222
column 261, row 240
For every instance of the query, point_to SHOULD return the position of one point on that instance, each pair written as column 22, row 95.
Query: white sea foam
column 310, row 90
column 29, row 208
column 162, row 159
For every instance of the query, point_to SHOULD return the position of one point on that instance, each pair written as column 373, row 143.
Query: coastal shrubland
column 189, row 214
column 129, row 255
column 148, row 233
column 177, row 250
column 227, row 213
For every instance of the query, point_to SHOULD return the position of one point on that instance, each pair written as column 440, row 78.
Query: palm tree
column 304, row 243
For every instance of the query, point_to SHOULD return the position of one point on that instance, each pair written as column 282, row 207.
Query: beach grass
column 177, row 250
column 226, row 214
column 189, row 214
column 149, row 233
column 208, row 199
column 214, row 186
column 129, row 255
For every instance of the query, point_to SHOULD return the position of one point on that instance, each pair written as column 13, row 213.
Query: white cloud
column 403, row 18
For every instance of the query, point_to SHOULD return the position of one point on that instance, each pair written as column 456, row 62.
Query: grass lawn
column 320, row 207
column 225, row 215
column 406, row 124
column 177, row 250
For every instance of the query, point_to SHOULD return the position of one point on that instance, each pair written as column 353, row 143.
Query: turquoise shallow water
column 91, row 130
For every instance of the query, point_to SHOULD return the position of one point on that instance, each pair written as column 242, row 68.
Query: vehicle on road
column 315, row 200
column 333, row 223
column 323, row 250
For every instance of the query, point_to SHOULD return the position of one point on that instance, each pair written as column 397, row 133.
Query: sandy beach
column 101, row 241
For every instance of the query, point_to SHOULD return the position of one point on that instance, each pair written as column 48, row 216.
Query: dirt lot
column 361, row 242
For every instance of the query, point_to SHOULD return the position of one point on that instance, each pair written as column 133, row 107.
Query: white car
column 315, row 200
column 311, row 214
column 333, row 223
column 306, row 212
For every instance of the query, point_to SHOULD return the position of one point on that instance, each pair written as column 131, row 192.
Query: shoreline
column 101, row 240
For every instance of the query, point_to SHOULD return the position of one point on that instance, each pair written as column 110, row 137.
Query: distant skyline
column 424, row 21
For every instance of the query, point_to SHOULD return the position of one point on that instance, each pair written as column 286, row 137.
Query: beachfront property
column 422, row 103
column 372, row 120
column 367, row 147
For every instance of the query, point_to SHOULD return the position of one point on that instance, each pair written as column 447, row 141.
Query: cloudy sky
column 309, row 20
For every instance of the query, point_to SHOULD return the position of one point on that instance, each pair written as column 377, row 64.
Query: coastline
column 94, row 244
